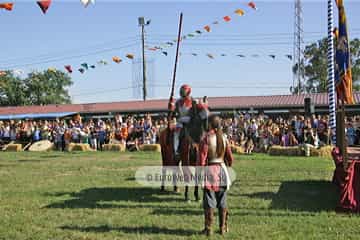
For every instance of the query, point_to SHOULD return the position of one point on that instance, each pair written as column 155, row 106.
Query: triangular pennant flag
column 207, row 28
column 227, row 18
column 87, row 2
column 152, row 49
column 210, row 55
column 194, row 54
column 191, row 35
column 289, row 56
column 216, row 22
column 169, row 43
column 85, row 66
column 102, row 62
column 130, row 56
column 239, row 12
column 7, row 6
column 81, row 70
column 68, row 68
column 240, row 55
column 92, row 66
column 272, row 56
column 223, row 55
column 198, row 31
column 44, row 5
column 165, row 53
column 116, row 59
column 252, row 5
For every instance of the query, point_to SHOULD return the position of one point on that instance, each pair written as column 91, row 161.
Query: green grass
column 94, row 196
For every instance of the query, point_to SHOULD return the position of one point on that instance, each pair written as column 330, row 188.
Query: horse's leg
column 187, row 193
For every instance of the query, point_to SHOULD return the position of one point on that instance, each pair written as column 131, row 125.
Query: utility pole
column 142, row 24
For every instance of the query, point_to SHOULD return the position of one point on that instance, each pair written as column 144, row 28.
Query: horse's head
column 199, row 119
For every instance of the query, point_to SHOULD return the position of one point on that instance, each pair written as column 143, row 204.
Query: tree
column 315, row 66
column 48, row 87
column 39, row 88
column 12, row 91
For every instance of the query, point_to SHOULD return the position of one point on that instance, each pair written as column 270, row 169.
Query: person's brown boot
column 223, row 220
column 209, row 218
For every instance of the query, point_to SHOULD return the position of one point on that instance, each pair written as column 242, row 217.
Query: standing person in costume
column 215, row 154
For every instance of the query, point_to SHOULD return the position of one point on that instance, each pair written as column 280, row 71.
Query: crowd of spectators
column 256, row 132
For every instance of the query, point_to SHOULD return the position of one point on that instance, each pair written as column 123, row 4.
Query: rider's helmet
column 185, row 90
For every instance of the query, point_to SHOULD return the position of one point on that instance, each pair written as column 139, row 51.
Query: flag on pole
column 343, row 74
column 44, row 5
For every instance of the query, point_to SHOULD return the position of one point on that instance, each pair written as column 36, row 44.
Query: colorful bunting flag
column 87, row 2
column 207, row 28
column 215, row 23
column 116, row 59
column 81, row 70
column 198, row 31
column 92, row 66
column 130, row 56
column 44, row 5
column 210, row 55
column 165, row 53
column 7, row 6
column 68, row 68
column 194, row 54
column 102, row 62
column 239, row 12
column 252, row 5
column 169, row 43
column 272, row 56
column 227, row 18
column 85, row 66
column 223, row 55
column 152, row 49
column 240, row 55
column 191, row 35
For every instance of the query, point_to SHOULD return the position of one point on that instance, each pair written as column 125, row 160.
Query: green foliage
column 38, row 88
column 94, row 196
column 315, row 66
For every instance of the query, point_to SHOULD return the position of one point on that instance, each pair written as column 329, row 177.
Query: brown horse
column 189, row 140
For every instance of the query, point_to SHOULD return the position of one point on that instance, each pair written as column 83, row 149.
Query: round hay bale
column 150, row 147
column 41, row 146
column 82, row 147
column 324, row 151
column 114, row 147
column 13, row 147
column 285, row 151
column 237, row 149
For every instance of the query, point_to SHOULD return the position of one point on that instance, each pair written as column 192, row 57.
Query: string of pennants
column 206, row 29
column 44, row 5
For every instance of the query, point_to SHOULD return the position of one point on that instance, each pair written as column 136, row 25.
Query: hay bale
column 237, row 149
column 13, row 147
column 150, row 147
column 324, row 151
column 285, row 151
column 82, row 147
column 41, row 146
column 114, row 147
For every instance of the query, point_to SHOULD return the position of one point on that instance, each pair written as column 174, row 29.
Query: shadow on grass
column 94, row 197
column 310, row 196
column 132, row 230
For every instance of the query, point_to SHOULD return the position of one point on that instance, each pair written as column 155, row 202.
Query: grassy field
column 94, row 196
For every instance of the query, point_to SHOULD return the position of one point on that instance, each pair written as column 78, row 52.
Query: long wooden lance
column 171, row 99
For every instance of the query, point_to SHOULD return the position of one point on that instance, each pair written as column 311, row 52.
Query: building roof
column 215, row 103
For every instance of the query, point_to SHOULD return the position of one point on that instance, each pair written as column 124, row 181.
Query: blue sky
column 72, row 34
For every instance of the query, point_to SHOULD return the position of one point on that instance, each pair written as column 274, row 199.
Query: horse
column 189, row 140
